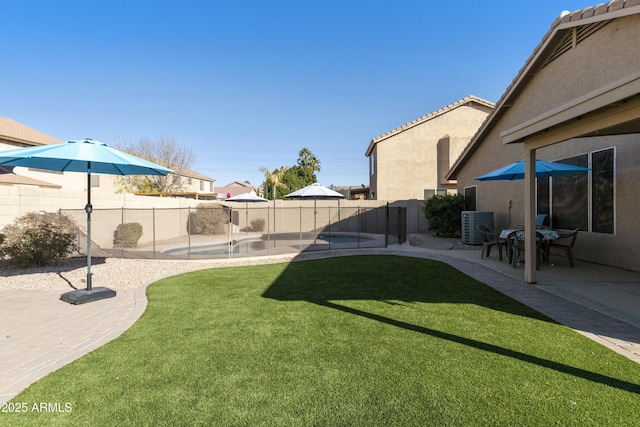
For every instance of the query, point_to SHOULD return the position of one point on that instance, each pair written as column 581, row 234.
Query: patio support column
column 530, row 215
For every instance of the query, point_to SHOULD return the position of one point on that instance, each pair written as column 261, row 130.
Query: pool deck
column 40, row 334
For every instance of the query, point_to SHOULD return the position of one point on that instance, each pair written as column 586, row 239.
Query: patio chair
column 511, row 241
column 540, row 219
column 565, row 242
column 490, row 239
column 517, row 249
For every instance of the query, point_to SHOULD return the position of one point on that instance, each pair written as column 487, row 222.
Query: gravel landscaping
column 122, row 273
column 115, row 273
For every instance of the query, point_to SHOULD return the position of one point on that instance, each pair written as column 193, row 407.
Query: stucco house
column 234, row 188
column 194, row 185
column 16, row 135
column 411, row 161
column 24, row 189
column 575, row 100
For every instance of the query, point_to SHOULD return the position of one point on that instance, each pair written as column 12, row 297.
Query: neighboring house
column 198, row 182
column 575, row 100
column 25, row 190
column 353, row 192
column 194, row 186
column 15, row 135
column 411, row 161
column 235, row 188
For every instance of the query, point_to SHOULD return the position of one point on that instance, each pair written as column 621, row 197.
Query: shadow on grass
column 560, row 367
column 377, row 278
column 389, row 278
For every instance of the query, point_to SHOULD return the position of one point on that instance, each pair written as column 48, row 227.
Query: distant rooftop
column 13, row 131
column 469, row 100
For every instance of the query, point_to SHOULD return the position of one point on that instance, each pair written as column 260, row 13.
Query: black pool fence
column 248, row 229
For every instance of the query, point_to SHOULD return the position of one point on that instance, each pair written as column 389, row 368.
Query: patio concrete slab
column 39, row 333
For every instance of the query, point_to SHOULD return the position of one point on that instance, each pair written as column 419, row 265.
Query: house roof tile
column 12, row 178
column 13, row 131
column 553, row 36
column 471, row 99
column 197, row 175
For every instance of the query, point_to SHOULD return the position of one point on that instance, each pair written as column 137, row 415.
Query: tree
column 298, row 177
column 166, row 152
column 307, row 159
column 273, row 181
column 287, row 179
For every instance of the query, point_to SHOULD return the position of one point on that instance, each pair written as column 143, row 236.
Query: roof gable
column 554, row 43
column 238, row 184
column 469, row 100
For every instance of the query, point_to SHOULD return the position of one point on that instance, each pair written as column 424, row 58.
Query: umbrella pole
column 88, row 209
column 82, row 296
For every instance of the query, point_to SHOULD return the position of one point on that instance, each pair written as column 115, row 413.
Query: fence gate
column 396, row 224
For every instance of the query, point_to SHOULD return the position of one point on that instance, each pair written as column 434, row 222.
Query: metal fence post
column 386, row 226
column 154, row 231
column 399, row 226
column 359, row 226
column 230, row 225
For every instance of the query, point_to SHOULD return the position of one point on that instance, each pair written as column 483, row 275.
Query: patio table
column 548, row 235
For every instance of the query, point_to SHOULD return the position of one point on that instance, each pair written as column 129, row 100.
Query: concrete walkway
column 39, row 333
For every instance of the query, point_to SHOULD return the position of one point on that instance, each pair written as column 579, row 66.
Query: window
column 95, row 181
column 584, row 201
column 470, row 198
column 201, row 185
column 372, row 163
column 570, row 197
column 602, row 191
column 47, row 171
column 429, row 192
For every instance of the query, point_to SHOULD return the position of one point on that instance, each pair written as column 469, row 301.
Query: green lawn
column 351, row 341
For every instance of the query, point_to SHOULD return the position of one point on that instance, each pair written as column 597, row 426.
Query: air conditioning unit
column 470, row 222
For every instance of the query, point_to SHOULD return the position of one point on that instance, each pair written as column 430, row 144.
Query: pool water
column 253, row 245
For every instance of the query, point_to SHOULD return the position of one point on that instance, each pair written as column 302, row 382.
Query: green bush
column 127, row 235
column 257, row 224
column 208, row 218
column 443, row 214
column 38, row 239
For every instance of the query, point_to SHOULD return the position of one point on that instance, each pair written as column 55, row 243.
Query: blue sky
column 247, row 84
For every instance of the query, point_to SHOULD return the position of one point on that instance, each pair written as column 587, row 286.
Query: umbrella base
column 82, row 296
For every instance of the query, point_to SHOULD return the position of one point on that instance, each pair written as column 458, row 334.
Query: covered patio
column 577, row 93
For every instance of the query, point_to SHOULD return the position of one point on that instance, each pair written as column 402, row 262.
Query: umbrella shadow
column 309, row 281
column 376, row 278
column 545, row 363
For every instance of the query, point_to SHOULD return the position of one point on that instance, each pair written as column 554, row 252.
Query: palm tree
column 307, row 159
column 273, row 179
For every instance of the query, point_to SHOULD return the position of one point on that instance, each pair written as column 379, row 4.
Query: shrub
column 443, row 214
column 257, row 224
column 39, row 238
column 208, row 218
column 127, row 235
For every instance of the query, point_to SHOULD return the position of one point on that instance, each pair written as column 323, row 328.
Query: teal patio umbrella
column 82, row 156
column 543, row 169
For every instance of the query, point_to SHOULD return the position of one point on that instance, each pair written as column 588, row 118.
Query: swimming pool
column 293, row 241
